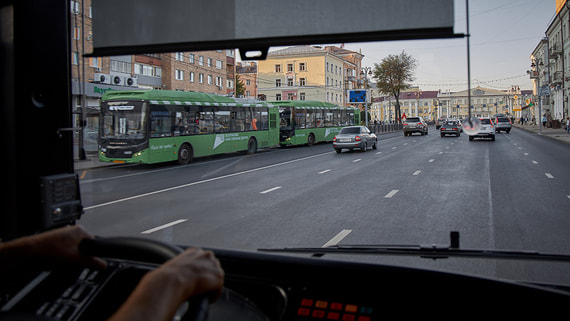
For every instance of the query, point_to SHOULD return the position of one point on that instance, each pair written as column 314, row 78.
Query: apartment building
column 305, row 73
column 247, row 72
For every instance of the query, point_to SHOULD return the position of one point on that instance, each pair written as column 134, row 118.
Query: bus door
column 161, row 143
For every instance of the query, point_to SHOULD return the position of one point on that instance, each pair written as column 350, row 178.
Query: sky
column 503, row 35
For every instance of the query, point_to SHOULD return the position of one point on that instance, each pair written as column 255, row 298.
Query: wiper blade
column 426, row 251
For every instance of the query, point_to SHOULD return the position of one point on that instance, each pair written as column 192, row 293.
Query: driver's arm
column 55, row 247
column 160, row 293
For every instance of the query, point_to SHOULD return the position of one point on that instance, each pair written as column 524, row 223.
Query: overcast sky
column 503, row 35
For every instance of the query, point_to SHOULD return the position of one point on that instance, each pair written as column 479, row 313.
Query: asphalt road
column 509, row 194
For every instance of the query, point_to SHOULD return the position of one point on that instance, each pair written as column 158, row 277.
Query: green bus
column 153, row 126
column 308, row 122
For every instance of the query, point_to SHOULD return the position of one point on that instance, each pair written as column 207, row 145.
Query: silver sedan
column 351, row 137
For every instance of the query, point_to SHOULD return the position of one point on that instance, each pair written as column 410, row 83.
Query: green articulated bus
column 153, row 126
column 309, row 122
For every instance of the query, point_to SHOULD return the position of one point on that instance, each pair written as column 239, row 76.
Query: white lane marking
column 202, row 182
column 440, row 153
column 416, row 173
column 335, row 240
column 405, row 144
column 526, row 154
column 548, row 175
column 535, row 162
column 392, row 193
column 378, row 153
column 158, row 228
column 568, row 196
column 357, row 160
column 325, row 171
column 270, row 190
column 394, row 147
column 431, row 160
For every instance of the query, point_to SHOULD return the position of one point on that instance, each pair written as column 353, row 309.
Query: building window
column 290, row 96
column 179, row 74
column 277, row 68
column 277, row 82
column 278, row 97
column 201, row 78
column 290, row 82
column 289, row 67
column 75, row 58
column 201, row 60
column 302, row 66
column 191, row 76
column 191, row 58
column 301, row 96
column 220, row 82
column 179, row 56
column 302, row 81
column 209, row 62
column 210, row 80
column 219, row 64
column 76, row 33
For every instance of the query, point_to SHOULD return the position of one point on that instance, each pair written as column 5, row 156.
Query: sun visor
column 146, row 26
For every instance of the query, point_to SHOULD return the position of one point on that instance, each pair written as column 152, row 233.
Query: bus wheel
column 185, row 154
column 252, row 146
column 311, row 139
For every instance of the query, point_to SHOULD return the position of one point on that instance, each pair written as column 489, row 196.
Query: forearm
column 157, row 297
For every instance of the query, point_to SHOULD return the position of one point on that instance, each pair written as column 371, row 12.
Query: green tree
column 240, row 87
column 393, row 75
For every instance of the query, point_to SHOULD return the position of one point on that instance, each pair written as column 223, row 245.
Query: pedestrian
column 544, row 120
column 568, row 125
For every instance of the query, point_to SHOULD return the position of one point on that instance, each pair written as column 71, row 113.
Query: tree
column 394, row 74
column 240, row 87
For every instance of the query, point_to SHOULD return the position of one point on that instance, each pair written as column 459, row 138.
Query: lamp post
column 534, row 65
column 365, row 71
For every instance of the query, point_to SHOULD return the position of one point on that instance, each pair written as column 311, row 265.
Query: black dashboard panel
column 275, row 287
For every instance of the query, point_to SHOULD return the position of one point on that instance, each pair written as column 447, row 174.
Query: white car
column 487, row 129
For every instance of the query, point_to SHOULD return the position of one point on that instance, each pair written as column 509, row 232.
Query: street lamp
column 533, row 65
column 365, row 71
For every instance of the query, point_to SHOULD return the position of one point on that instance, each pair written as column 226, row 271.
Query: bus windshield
column 123, row 120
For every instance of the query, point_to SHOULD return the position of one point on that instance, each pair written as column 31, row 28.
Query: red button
column 348, row 317
column 363, row 318
column 336, row 306
column 321, row 304
column 304, row 312
column 307, row 302
column 318, row 314
column 333, row 315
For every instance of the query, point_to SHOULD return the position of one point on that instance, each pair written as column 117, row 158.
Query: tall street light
column 534, row 65
column 365, row 71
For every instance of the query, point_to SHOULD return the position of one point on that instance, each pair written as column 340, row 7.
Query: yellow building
column 302, row 73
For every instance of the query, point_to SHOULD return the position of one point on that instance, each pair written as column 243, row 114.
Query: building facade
column 247, row 72
column 305, row 73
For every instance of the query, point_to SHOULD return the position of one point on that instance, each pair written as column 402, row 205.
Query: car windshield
column 503, row 119
column 251, row 164
column 350, row 130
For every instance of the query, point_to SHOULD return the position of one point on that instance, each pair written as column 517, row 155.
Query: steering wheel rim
column 143, row 250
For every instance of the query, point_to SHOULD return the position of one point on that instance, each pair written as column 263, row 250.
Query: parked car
column 415, row 125
column 487, row 129
column 451, row 127
column 354, row 137
column 502, row 123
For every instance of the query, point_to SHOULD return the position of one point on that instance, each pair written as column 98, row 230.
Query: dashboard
column 261, row 286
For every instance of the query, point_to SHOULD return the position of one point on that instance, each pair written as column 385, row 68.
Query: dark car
column 415, row 125
column 439, row 122
column 450, row 127
column 351, row 137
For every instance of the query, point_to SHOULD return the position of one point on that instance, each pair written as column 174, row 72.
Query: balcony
column 557, row 77
column 555, row 50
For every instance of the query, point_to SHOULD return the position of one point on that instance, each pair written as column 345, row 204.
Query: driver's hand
column 55, row 247
column 195, row 273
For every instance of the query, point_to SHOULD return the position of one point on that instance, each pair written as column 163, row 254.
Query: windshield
column 350, row 130
column 251, row 186
column 123, row 120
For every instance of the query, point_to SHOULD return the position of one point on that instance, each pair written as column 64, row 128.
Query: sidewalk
column 91, row 161
column 557, row 134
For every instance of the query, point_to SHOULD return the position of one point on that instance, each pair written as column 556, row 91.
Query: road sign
column 357, row 96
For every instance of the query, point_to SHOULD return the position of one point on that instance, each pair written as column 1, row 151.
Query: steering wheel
column 144, row 250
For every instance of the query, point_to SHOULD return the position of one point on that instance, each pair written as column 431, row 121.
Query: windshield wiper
column 426, row 251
